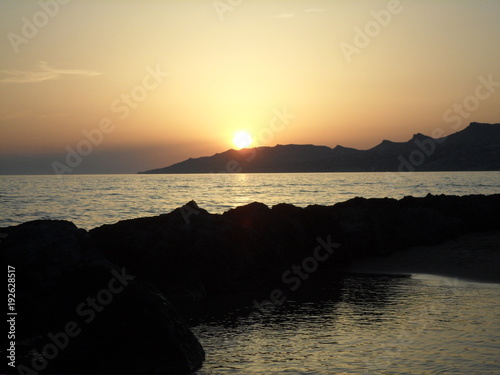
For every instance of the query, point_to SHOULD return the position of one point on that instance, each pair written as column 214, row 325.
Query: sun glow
column 242, row 139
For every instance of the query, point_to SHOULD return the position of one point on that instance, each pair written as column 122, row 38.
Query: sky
column 125, row 86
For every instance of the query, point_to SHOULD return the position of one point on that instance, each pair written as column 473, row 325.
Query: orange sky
column 177, row 79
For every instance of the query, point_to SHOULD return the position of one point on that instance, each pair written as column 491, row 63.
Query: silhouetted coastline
column 474, row 148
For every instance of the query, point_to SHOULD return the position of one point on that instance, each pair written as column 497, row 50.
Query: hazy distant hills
column 476, row 148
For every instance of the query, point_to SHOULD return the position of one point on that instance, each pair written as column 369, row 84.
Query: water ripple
column 93, row 200
column 404, row 326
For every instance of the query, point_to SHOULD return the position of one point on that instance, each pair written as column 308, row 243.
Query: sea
column 93, row 200
column 361, row 324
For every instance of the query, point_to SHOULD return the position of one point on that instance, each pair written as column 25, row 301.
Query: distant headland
column 473, row 149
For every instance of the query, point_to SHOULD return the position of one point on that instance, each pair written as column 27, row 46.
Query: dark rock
column 120, row 324
column 384, row 225
column 245, row 248
column 250, row 247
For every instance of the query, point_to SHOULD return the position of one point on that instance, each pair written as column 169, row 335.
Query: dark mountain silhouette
column 476, row 148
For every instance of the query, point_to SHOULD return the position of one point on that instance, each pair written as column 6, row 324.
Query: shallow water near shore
column 93, row 200
column 371, row 324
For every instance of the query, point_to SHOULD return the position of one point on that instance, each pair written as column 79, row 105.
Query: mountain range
column 475, row 148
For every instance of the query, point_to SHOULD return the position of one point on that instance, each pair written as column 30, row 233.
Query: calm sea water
column 370, row 325
column 93, row 200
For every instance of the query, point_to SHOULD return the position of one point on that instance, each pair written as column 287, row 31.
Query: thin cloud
column 284, row 15
column 314, row 10
column 43, row 73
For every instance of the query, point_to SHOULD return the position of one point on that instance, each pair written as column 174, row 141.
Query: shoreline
column 470, row 257
column 179, row 259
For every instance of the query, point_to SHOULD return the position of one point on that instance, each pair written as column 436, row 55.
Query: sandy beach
column 472, row 256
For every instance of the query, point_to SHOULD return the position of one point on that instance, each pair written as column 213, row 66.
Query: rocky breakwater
column 77, row 312
column 189, row 253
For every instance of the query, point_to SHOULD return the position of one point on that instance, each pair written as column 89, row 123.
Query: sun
column 242, row 139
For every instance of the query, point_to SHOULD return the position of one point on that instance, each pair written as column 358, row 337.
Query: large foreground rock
column 80, row 313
